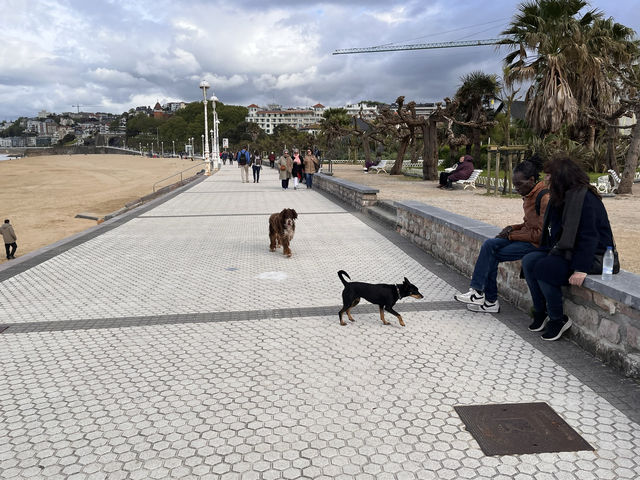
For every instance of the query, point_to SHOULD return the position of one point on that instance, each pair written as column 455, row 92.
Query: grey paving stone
column 174, row 345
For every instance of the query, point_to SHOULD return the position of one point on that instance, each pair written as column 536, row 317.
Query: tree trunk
column 430, row 150
column 397, row 167
column 591, row 140
column 631, row 159
column 612, row 134
column 367, row 148
column 476, row 145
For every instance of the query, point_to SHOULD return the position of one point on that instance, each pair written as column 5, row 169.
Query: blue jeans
column 545, row 275
column 494, row 251
column 309, row 179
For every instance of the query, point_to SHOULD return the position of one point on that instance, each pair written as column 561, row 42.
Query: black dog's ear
column 406, row 280
column 294, row 214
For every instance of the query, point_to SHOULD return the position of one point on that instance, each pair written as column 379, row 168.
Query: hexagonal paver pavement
column 178, row 346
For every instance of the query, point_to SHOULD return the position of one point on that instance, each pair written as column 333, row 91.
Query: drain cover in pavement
column 519, row 428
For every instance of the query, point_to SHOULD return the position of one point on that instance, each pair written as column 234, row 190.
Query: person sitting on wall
column 463, row 170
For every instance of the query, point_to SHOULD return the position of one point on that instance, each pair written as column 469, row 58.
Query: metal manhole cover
column 519, row 428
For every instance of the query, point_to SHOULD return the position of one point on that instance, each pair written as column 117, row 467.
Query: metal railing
column 179, row 173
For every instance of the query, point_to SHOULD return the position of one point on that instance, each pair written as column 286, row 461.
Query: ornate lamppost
column 204, row 85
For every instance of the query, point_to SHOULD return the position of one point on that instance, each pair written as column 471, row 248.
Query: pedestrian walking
column 284, row 165
column 256, row 165
column 10, row 238
column 244, row 160
column 310, row 167
column 298, row 168
column 272, row 159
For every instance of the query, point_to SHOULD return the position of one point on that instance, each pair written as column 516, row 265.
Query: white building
column 368, row 111
column 269, row 118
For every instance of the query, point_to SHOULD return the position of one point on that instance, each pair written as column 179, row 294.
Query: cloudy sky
column 111, row 55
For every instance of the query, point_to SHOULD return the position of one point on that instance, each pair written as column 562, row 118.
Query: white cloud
column 121, row 53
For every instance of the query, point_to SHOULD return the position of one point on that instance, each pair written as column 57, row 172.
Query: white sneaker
column 486, row 307
column 472, row 296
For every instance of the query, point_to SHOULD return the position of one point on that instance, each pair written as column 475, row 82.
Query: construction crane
column 417, row 46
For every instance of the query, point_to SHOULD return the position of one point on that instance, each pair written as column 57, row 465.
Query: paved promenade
column 170, row 343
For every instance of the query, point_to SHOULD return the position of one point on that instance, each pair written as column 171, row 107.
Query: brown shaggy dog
column 282, row 226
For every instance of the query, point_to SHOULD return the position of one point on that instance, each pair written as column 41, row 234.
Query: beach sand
column 42, row 195
column 623, row 210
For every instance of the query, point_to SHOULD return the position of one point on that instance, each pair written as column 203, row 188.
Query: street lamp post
column 162, row 149
column 205, row 138
column 215, row 147
column 173, row 142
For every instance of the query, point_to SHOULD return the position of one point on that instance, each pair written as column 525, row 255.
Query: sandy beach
column 623, row 210
column 42, row 195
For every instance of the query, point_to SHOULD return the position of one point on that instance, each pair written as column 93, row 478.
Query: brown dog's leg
column 393, row 312
column 285, row 246
column 272, row 242
column 353, row 304
column 382, row 317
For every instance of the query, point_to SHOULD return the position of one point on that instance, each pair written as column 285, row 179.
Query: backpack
column 541, row 194
column 242, row 158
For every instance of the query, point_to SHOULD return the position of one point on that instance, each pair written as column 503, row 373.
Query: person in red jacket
column 462, row 172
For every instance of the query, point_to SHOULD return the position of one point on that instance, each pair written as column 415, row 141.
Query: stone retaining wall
column 358, row 196
column 606, row 315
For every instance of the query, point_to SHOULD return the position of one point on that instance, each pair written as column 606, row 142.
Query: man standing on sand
column 9, row 236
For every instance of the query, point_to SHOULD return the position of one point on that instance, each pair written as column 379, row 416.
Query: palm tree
column 543, row 36
column 474, row 97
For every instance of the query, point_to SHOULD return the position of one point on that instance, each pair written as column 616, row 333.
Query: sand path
column 623, row 210
column 42, row 195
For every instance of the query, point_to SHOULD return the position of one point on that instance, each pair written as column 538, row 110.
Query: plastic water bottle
column 607, row 265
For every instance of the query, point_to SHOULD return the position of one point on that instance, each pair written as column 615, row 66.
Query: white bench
column 381, row 167
column 616, row 180
column 471, row 181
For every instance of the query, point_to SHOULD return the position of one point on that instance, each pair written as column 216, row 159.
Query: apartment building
column 272, row 116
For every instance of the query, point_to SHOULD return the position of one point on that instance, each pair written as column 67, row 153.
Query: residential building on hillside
column 274, row 115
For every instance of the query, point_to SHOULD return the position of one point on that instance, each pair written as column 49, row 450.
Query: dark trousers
column 443, row 178
column 545, row 275
column 494, row 251
column 11, row 249
column 309, row 177
column 256, row 173
column 285, row 183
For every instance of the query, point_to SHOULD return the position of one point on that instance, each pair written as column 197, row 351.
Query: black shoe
column 539, row 322
column 555, row 328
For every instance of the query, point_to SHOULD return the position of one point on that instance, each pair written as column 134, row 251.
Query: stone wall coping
column 624, row 287
column 348, row 184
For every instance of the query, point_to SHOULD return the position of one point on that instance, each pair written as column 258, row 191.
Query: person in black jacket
column 575, row 235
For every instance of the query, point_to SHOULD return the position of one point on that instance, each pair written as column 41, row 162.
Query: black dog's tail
column 342, row 273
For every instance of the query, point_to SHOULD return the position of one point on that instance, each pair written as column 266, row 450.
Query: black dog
column 381, row 294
